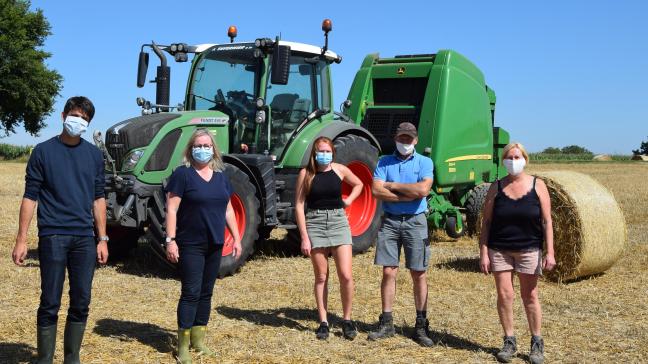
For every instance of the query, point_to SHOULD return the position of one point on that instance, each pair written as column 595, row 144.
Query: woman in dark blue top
column 516, row 222
column 198, row 208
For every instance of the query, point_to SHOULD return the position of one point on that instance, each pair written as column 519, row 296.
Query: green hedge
column 560, row 157
column 9, row 152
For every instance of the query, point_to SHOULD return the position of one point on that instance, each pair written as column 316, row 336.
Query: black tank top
column 516, row 224
column 325, row 192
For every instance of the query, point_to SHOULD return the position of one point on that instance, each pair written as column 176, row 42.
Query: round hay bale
column 602, row 158
column 589, row 228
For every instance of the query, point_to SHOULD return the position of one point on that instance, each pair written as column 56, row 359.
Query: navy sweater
column 65, row 180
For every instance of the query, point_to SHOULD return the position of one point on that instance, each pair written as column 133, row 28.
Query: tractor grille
column 117, row 147
column 134, row 133
column 382, row 123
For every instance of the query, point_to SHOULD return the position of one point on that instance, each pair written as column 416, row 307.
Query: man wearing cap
column 403, row 181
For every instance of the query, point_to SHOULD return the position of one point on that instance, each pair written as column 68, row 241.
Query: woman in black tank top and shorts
column 324, row 228
column 516, row 222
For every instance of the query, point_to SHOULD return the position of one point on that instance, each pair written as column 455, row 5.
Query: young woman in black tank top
column 324, row 228
column 516, row 222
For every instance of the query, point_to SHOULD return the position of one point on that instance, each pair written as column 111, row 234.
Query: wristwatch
column 104, row 238
column 169, row 239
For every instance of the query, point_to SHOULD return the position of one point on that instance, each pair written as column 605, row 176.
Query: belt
column 401, row 216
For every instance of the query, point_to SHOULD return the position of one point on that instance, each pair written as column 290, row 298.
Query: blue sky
column 565, row 72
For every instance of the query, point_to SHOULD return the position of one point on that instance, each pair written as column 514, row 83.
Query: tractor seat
column 300, row 110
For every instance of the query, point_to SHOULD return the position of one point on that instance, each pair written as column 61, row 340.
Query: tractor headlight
column 131, row 159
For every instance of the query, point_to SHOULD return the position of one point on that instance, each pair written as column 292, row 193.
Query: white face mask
column 404, row 149
column 75, row 126
column 514, row 166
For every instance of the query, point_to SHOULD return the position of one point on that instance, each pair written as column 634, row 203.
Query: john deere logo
column 401, row 70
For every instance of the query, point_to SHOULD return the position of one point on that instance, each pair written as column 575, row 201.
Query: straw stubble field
column 266, row 313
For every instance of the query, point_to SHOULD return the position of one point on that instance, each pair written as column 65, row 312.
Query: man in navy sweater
column 65, row 179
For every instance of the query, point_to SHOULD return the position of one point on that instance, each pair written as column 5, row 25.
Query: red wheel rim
column 239, row 212
column 362, row 210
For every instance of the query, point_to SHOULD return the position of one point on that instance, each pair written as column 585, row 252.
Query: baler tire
column 474, row 205
column 450, row 228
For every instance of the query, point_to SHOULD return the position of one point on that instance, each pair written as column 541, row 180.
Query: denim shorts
column 409, row 232
column 328, row 228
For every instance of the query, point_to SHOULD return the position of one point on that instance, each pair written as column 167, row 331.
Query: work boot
column 198, row 340
column 46, row 342
column 385, row 328
column 508, row 350
column 421, row 332
column 322, row 332
column 72, row 338
column 349, row 330
column 536, row 356
column 184, row 338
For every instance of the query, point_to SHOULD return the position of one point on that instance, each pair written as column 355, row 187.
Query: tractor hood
column 134, row 133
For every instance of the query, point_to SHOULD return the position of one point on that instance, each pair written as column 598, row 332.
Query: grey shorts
column 327, row 228
column 408, row 231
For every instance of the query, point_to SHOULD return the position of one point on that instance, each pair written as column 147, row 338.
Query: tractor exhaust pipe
column 162, row 80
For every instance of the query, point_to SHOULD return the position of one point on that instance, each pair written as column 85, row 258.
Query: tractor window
column 225, row 79
column 291, row 103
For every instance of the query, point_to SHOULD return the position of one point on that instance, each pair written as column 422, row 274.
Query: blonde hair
column 216, row 163
column 514, row 145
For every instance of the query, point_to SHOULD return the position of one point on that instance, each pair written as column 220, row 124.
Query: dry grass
column 266, row 312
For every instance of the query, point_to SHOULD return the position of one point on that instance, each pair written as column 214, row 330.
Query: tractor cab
column 263, row 90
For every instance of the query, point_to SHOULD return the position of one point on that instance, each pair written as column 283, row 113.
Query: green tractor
column 445, row 96
column 266, row 101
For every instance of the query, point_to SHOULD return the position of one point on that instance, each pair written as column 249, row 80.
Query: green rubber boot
column 198, row 340
column 184, row 338
column 72, row 339
column 46, row 342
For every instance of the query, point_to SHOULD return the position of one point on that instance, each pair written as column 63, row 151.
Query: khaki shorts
column 525, row 261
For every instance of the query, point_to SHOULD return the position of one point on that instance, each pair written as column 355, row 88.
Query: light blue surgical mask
column 324, row 158
column 202, row 155
column 75, row 126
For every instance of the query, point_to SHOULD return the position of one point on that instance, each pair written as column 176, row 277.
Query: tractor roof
column 294, row 46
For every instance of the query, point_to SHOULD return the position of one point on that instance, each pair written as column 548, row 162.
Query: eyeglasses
column 203, row 146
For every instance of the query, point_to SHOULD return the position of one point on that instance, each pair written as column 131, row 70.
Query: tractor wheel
column 474, row 206
column 246, row 209
column 364, row 214
column 451, row 228
column 122, row 241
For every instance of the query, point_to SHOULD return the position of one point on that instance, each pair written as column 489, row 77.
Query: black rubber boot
column 508, row 350
column 72, row 339
column 385, row 329
column 46, row 342
column 421, row 332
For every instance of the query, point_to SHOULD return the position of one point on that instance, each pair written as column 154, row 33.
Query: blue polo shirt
column 391, row 168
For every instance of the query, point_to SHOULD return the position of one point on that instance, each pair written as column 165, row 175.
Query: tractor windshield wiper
column 203, row 98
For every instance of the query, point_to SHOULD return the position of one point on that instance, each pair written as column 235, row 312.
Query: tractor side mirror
column 280, row 65
column 142, row 67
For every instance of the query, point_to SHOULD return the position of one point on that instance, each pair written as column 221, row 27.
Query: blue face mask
column 324, row 158
column 202, row 155
column 75, row 126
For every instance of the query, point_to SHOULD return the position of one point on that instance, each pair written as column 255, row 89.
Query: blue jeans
column 79, row 255
column 199, row 264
